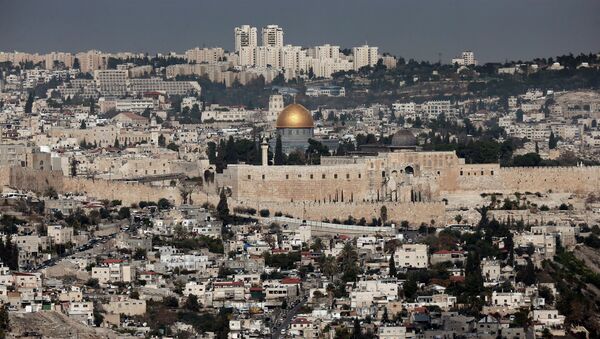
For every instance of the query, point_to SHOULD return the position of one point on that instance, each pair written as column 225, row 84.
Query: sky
column 496, row 30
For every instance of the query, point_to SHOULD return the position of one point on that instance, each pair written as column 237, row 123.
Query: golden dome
column 295, row 116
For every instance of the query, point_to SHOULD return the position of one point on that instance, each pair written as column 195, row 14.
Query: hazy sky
column 494, row 29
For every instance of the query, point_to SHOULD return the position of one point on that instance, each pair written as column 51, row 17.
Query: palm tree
column 329, row 266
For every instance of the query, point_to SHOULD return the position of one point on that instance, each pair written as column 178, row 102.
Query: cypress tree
column 278, row 157
column 29, row 103
column 231, row 156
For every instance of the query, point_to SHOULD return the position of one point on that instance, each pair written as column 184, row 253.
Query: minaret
column 264, row 146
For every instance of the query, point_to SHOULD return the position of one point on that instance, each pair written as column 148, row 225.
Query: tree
column 410, row 288
column 385, row 318
column 4, row 321
column 82, row 125
column 76, row 64
column 329, row 266
column 191, row 303
column 92, row 107
column 211, row 152
column 519, row 115
column 473, row 278
column 73, row 165
column 164, row 204
column 278, row 159
column 527, row 274
column 29, row 103
column 348, row 260
column 222, row 207
column 553, row 141
column 231, row 156
column 116, row 143
column 162, row 141
column 356, row 332
column 383, row 214
column 124, row 213
column 173, row 147
column 393, row 271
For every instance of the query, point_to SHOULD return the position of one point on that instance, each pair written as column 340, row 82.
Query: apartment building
column 60, row 234
column 112, row 270
column 365, row 56
column 412, row 256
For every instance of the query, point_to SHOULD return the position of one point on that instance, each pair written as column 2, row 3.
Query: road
column 94, row 246
column 289, row 315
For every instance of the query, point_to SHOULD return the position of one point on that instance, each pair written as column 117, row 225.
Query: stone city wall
column 129, row 193
column 414, row 213
column 577, row 180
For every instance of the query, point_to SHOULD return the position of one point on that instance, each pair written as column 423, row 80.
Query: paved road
column 96, row 246
column 291, row 313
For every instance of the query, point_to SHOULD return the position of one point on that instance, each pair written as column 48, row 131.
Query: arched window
column 409, row 170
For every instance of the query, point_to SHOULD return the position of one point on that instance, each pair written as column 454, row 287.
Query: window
column 359, row 176
column 311, row 176
column 481, row 172
column 492, row 172
column 323, row 176
column 347, row 175
column 249, row 177
column 287, row 176
column 335, row 176
column 461, row 172
column 263, row 177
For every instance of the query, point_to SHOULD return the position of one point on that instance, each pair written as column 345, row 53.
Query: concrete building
column 272, row 36
column 411, row 256
column 245, row 37
column 365, row 56
column 60, row 235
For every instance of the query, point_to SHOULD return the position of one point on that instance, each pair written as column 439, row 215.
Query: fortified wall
column 129, row 193
column 576, row 180
column 415, row 213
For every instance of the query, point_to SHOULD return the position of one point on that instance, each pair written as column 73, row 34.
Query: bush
column 265, row 213
column 245, row 210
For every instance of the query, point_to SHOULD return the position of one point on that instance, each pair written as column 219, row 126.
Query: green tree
column 222, row 207
column 162, row 141
column 519, row 115
column 211, row 151
column 473, row 278
column 410, row 288
column 348, row 260
column 552, row 141
column 29, row 103
column 231, row 156
column 278, row 158
column 383, row 214
column 393, row 271
column 329, row 266
column 76, row 64
column 124, row 213
column 191, row 303
column 164, row 204
column 4, row 321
